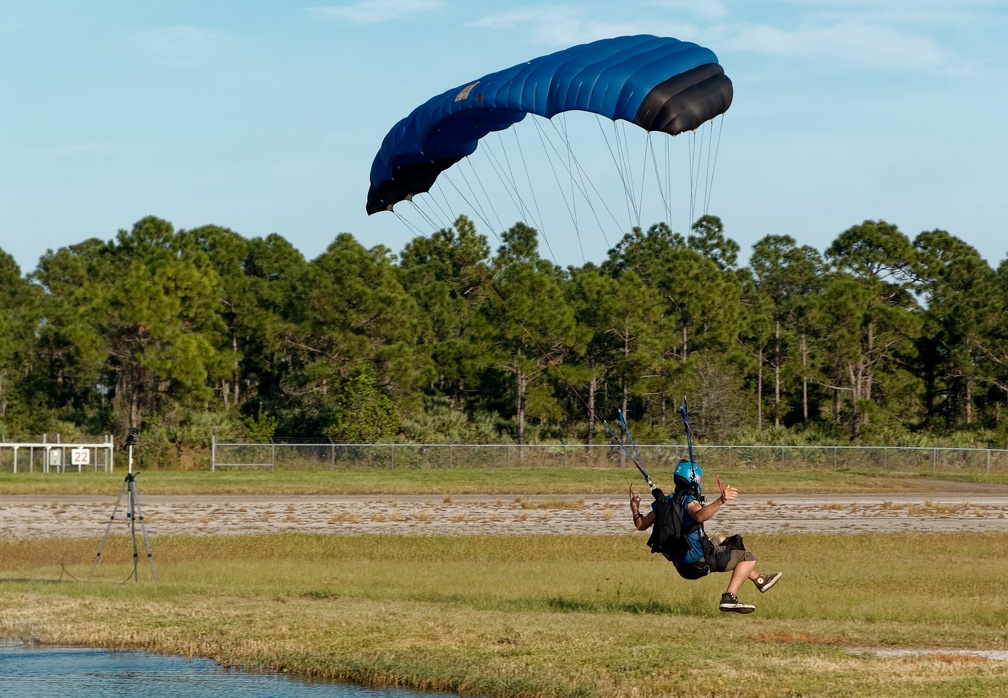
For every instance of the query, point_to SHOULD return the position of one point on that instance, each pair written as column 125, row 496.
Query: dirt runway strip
column 38, row 516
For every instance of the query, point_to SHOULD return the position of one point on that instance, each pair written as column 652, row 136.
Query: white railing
column 56, row 456
column 328, row 455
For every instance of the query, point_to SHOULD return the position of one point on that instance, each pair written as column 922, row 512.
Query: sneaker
column 731, row 604
column 765, row 581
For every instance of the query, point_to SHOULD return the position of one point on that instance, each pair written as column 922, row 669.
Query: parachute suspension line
column 413, row 227
column 442, row 204
column 505, row 175
column 569, row 199
column 574, row 189
column 639, row 204
column 474, row 206
column 662, row 179
column 549, row 359
column 709, row 173
column 617, row 157
column 668, row 180
column 684, row 413
column 534, row 219
column 626, row 430
column 549, row 145
column 426, row 208
column 583, row 182
column 511, row 184
column 692, row 186
column 696, row 157
column 635, row 456
column 478, row 200
column 623, row 142
column 489, row 284
column 713, row 164
column 541, row 227
column 444, row 207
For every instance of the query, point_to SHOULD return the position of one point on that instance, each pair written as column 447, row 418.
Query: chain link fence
column 304, row 455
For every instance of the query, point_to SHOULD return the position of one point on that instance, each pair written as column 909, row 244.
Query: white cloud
column 847, row 42
column 893, row 36
column 376, row 11
column 701, row 9
column 183, row 45
column 557, row 26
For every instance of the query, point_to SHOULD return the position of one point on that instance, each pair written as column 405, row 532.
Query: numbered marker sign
column 81, row 456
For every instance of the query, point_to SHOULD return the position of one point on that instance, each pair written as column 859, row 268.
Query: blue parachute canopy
column 659, row 84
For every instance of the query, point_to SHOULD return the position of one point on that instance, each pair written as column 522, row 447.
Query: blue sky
column 264, row 117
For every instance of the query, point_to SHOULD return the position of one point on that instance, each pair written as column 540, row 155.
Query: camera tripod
column 133, row 512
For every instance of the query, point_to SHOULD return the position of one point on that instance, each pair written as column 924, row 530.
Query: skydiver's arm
column 641, row 521
column 703, row 513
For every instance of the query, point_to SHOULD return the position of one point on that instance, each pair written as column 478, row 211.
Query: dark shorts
column 729, row 553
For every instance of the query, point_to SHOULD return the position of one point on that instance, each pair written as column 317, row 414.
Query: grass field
column 532, row 615
column 542, row 615
column 464, row 481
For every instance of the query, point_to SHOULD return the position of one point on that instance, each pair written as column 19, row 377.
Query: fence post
column 213, row 453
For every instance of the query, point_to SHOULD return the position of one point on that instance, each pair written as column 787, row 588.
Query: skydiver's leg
column 746, row 569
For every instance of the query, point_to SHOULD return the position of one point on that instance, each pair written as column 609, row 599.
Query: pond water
column 53, row 672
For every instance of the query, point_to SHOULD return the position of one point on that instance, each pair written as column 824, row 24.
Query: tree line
column 880, row 339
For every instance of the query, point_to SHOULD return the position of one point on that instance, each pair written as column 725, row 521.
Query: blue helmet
column 688, row 473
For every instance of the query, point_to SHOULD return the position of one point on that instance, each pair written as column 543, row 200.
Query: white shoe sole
column 740, row 608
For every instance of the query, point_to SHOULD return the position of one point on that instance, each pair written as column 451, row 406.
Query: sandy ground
column 967, row 508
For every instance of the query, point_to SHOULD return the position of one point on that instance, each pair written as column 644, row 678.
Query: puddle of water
column 55, row 672
column 994, row 655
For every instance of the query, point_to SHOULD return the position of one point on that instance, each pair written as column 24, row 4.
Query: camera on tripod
column 133, row 513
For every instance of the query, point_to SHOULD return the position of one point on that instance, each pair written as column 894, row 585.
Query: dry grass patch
column 929, row 508
column 557, row 503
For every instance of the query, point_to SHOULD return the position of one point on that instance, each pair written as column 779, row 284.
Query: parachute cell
column 659, row 84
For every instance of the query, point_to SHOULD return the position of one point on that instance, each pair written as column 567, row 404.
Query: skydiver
column 703, row 555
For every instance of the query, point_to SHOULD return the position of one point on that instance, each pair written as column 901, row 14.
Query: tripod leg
column 143, row 528
column 101, row 547
column 132, row 526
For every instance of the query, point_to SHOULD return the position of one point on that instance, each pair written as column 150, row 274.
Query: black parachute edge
column 420, row 176
column 686, row 101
